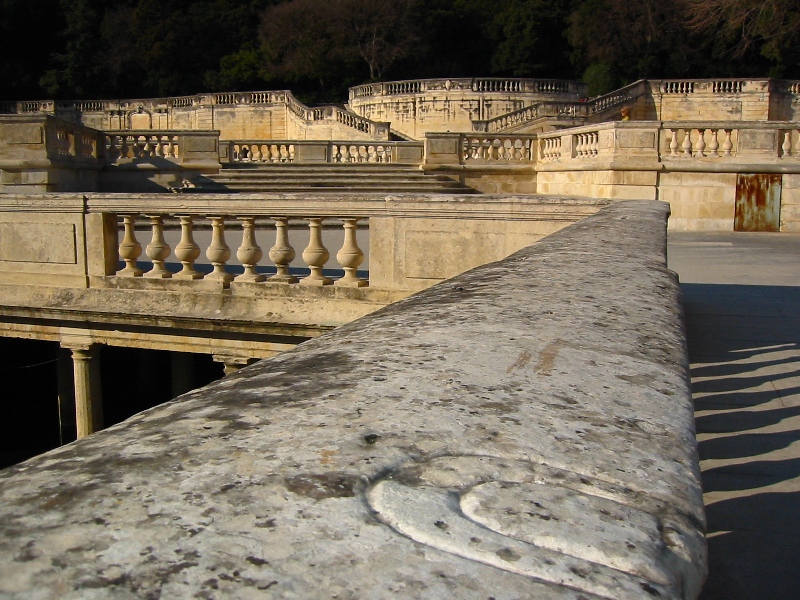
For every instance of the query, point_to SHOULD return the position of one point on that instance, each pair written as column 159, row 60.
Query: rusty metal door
column 758, row 203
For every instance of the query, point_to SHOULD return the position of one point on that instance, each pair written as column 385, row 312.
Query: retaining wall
column 524, row 430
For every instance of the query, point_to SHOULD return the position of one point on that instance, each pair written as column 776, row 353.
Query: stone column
column 66, row 397
column 88, row 399
column 182, row 372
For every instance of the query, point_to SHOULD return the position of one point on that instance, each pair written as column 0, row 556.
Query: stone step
column 362, row 187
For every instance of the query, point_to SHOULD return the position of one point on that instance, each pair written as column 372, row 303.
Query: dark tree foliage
column 318, row 48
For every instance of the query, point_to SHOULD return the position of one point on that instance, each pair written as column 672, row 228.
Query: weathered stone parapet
column 522, row 430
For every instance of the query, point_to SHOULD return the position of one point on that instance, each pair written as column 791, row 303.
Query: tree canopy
column 142, row 48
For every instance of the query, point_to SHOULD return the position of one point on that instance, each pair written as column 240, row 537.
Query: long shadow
column 744, row 420
column 754, row 538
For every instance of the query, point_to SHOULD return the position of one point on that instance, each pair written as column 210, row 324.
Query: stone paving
column 742, row 303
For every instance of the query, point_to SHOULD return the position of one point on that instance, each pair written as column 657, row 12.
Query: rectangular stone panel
column 38, row 243
column 200, row 144
column 22, row 133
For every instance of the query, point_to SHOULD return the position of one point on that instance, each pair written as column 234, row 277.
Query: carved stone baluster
column 595, row 143
column 255, row 152
column 713, row 145
column 129, row 249
column 673, row 142
column 158, row 250
column 797, row 147
column 284, row 153
column 687, row 144
column 700, row 147
column 218, row 252
column 727, row 144
column 267, row 155
column 315, row 255
column 187, row 251
column 579, row 145
column 249, row 253
column 147, row 148
column 170, row 147
column 787, row 144
column 158, row 146
column 282, row 253
column 372, row 155
column 350, row 256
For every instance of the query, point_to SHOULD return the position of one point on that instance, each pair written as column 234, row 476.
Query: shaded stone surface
column 417, row 452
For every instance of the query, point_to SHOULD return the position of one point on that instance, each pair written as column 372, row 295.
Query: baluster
column 113, row 151
column 595, row 143
column 350, row 256
column 282, row 253
column 673, row 142
column 158, row 148
column 170, row 149
column 371, row 154
column 713, row 145
column 315, row 255
column 249, row 253
column 284, row 153
column 157, row 250
column 129, row 248
column 218, row 252
column 124, row 147
column 797, row 147
column 362, row 154
column 687, row 143
column 701, row 143
column 787, row 144
column 727, row 144
column 579, row 144
column 267, row 155
column 147, row 147
column 187, row 251
column 255, row 153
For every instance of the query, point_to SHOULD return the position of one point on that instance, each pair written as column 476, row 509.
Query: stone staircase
column 328, row 177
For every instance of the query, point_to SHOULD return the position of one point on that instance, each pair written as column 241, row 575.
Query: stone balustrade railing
column 412, row 240
column 504, row 148
column 178, row 146
column 289, row 151
column 37, row 141
column 525, row 430
column 486, row 84
column 315, row 256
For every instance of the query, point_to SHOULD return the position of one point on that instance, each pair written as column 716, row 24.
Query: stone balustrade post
column 315, row 255
column 218, row 252
column 350, row 256
column 249, row 253
column 129, row 249
column 187, row 250
column 158, row 250
column 282, row 253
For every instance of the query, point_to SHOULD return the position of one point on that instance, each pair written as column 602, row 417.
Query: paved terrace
column 742, row 302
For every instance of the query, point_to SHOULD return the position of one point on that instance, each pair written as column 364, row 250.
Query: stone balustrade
column 496, row 149
column 485, row 84
column 525, row 430
column 151, row 263
column 289, row 151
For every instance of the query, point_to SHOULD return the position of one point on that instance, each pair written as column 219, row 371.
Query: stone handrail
column 292, row 151
column 472, row 84
column 562, row 110
column 710, row 86
column 346, row 118
column 179, row 146
column 526, row 427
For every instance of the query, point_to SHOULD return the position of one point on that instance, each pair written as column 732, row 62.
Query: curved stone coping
column 524, row 430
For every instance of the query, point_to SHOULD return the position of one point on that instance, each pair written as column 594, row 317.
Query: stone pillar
column 182, row 372
column 88, row 399
column 66, row 398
